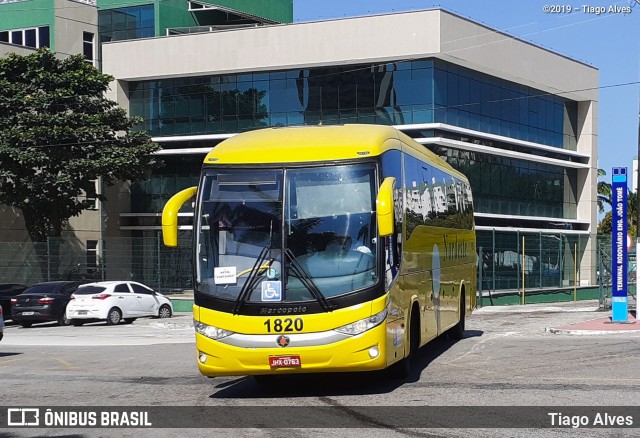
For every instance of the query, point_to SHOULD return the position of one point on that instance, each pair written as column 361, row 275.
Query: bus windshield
column 286, row 235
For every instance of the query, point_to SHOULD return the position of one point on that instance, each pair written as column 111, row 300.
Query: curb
column 557, row 331
column 524, row 309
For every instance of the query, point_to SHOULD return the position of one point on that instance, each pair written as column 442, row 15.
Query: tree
column 58, row 134
column 632, row 214
column 604, row 227
column 605, row 197
column 604, row 192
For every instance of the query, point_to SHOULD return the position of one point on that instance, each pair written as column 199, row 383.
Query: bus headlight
column 355, row 328
column 210, row 331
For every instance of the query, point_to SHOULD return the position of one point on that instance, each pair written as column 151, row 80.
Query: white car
column 115, row 301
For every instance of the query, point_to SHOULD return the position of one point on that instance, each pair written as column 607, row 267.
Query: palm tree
column 604, row 197
column 604, row 192
column 632, row 213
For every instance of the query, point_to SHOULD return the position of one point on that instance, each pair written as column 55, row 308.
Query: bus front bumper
column 364, row 352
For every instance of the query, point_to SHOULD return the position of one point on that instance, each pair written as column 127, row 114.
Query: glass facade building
column 395, row 93
column 509, row 186
column 424, row 96
column 126, row 23
column 175, row 173
column 482, row 102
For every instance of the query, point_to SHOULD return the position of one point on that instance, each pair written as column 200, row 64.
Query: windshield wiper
column 252, row 279
column 307, row 281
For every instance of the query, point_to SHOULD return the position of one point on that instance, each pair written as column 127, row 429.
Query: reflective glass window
column 30, row 38
column 394, row 93
column 515, row 187
column 126, row 23
column 16, row 37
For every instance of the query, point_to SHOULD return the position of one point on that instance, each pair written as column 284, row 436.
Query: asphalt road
column 507, row 359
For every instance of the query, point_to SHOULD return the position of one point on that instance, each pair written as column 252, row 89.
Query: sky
column 607, row 40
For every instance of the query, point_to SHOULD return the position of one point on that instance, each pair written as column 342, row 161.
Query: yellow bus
column 326, row 249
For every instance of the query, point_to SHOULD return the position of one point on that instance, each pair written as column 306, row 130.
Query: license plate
column 284, row 361
column 82, row 312
column 27, row 313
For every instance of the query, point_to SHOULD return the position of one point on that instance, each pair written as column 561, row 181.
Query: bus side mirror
column 170, row 215
column 384, row 207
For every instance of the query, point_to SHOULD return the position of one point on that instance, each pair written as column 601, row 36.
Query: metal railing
column 140, row 259
column 549, row 262
column 604, row 271
column 205, row 29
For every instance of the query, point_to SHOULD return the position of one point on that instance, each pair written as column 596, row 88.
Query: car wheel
column 164, row 312
column 129, row 320
column 114, row 316
column 76, row 322
column 26, row 324
column 63, row 320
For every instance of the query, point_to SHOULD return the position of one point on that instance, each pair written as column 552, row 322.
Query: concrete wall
column 277, row 47
column 480, row 48
column 349, row 41
column 6, row 48
column 72, row 19
column 84, row 227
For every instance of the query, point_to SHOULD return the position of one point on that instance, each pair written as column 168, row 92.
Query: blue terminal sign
column 619, row 298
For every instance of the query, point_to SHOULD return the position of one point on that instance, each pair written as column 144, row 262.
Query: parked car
column 114, row 301
column 8, row 291
column 43, row 302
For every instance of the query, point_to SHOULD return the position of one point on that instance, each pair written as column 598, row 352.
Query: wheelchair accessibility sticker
column 271, row 290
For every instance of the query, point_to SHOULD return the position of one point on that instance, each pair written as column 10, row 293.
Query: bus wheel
column 402, row 369
column 457, row 332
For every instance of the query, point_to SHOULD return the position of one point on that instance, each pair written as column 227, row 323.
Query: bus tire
column 402, row 368
column 457, row 332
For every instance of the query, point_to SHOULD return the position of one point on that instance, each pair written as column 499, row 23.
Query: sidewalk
column 567, row 318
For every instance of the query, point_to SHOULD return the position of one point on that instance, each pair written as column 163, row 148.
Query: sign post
column 619, row 297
